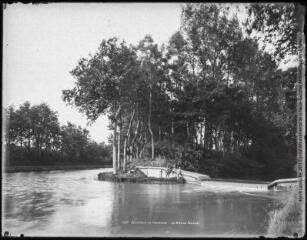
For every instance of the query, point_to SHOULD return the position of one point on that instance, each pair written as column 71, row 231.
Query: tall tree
column 99, row 83
column 151, row 64
column 45, row 127
column 281, row 24
column 210, row 35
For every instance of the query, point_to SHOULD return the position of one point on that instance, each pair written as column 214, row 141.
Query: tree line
column 35, row 137
column 213, row 98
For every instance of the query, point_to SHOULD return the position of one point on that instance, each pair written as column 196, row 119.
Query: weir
column 160, row 172
column 218, row 183
column 281, row 184
column 235, row 185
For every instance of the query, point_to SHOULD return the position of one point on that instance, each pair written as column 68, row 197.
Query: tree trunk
column 39, row 150
column 149, row 126
column 118, row 145
column 132, row 152
column 217, row 139
column 38, row 146
column 125, row 155
column 210, row 137
column 114, row 148
column 137, row 142
column 202, row 134
column 227, row 141
column 126, row 140
column 206, row 135
column 137, row 152
column 29, row 143
column 172, row 130
column 136, row 133
column 115, row 168
column 195, row 133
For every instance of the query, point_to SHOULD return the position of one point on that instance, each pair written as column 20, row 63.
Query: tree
column 280, row 23
column 74, row 141
column 46, row 127
column 37, row 130
column 25, row 113
column 210, row 35
column 211, row 99
column 97, row 153
column 151, row 64
column 99, row 83
column 11, row 133
column 33, row 126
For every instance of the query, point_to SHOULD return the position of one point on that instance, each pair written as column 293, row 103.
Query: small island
column 134, row 174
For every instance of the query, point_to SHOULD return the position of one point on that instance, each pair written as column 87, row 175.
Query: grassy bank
column 134, row 175
column 288, row 220
column 157, row 162
column 10, row 169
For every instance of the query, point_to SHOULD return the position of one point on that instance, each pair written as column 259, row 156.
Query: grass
column 289, row 219
column 136, row 176
column 157, row 162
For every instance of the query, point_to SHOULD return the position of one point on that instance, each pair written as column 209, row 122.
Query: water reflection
column 74, row 203
column 137, row 206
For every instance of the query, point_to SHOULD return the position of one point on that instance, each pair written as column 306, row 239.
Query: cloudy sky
column 42, row 43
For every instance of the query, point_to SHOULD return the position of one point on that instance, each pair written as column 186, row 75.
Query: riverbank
column 288, row 220
column 12, row 169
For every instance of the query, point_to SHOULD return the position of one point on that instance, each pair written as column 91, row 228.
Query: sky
column 43, row 43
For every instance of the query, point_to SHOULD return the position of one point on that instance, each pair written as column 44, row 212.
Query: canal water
column 75, row 203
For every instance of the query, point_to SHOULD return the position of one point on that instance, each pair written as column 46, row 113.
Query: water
column 75, row 203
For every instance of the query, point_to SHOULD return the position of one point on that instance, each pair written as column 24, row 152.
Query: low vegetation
column 134, row 175
column 288, row 220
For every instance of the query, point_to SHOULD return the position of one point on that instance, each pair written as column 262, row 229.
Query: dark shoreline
column 13, row 169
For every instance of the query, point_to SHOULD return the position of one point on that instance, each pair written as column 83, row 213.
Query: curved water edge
column 75, row 203
column 216, row 183
column 35, row 168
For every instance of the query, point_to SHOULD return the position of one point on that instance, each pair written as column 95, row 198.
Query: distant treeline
column 35, row 137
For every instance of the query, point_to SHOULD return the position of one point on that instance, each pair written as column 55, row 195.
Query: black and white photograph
column 143, row 119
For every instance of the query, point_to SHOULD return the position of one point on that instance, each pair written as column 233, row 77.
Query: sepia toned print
column 153, row 120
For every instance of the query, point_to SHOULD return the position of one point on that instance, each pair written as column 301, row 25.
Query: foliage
column 210, row 100
column 280, row 23
column 34, row 137
column 102, row 79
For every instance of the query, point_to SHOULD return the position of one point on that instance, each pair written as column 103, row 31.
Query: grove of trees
column 211, row 99
column 35, row 137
